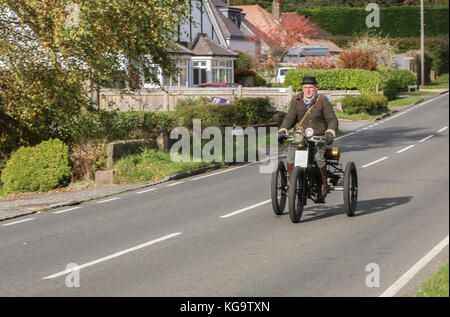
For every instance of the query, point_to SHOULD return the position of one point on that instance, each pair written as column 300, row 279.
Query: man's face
column 309, row 90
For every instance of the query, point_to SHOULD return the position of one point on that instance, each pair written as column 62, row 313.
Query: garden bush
column 240, row 112
column 40, row 168
column 365, row 103
column 394, row 81
column 340, row 78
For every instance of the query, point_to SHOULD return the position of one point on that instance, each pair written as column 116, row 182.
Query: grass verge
column 404, row 101
column 150, row 165
column 437, row 285
column 439, row 83
column 356, row 116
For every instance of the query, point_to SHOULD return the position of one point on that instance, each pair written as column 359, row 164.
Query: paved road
column 216, row 235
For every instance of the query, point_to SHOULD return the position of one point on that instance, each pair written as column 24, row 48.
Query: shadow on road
column 365, row 207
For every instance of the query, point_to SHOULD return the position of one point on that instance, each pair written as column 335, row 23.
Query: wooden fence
column 166, row 100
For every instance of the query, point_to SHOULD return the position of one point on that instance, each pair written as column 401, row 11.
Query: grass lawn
column 403, row 101
column 418, row 93
column 437, row 285
column 440, row 82
column 356, row 116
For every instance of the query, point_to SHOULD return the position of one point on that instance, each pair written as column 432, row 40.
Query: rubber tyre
column 350, row 189
column 278, row 192
column 297, row 194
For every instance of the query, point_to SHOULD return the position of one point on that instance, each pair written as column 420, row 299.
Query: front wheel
column 297, row 194
column 350, row 189
column 278, row 189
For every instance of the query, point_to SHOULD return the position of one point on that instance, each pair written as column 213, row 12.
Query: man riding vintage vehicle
column 310, row 163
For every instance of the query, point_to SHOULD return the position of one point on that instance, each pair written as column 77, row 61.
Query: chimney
column 277, row 9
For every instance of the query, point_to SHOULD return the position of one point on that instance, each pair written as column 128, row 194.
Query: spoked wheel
column 297, row 194
column 279, row 189
column 350, row 189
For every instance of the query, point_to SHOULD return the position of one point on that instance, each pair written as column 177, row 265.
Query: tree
column 291, row 31
column 50, row 48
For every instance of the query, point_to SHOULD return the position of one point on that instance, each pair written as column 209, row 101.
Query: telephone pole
column 422, row 45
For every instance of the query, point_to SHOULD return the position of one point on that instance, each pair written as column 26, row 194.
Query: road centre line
column 65, row 210
column 112, row 256
column 107, row 200
column 427, row 138
column 245, row 209
column 406, row 149
column 375, row 162
column 409, row 275
column 16, row 222
column 442, row 130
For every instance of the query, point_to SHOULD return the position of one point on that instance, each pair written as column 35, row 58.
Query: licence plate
column 301, row 158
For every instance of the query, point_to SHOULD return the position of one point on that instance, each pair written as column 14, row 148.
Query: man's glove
column 329, row 138
column 282, row 136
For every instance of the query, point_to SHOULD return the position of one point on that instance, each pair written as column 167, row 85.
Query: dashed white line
column 16, row 222
column 442, row 130
column 65, row 210
column 375, row 162
column 107, row 200
column 245, row 209
column 147, row 190
column 427, row 138
column 225, row 171
column 109, row 257
column 177, row 183
column 406, row 149
column 405, row 278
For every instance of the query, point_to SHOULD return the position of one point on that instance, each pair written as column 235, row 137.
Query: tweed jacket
column 321, row 118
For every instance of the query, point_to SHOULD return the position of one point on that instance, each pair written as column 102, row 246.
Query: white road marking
column 345, row 135
column 225, row 171
column 245, row 209
column 427, row 138
column 375, row 162
column 16, row 222
column 406, row 149
column 442, row 130
column 147, row 190
column 112, row 256
column 177, row 183
column 405, row 278
column 105, row 201
column 62, row 211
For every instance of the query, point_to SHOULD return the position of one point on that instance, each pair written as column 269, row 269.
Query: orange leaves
column 357, row 59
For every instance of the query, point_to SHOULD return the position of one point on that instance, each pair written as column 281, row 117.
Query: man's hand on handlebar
column 329, row 138
column 282, row 136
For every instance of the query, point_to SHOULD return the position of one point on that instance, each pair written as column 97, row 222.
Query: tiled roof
column 264, row 20
column 180, row 49
column 204, row 46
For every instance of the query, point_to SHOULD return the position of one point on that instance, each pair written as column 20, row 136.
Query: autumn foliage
column 357, row 59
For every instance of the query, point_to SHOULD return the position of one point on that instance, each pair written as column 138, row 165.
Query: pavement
column 30, row 203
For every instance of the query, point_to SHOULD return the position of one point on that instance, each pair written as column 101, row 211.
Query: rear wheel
column 297, row 194
column 350, row 189
column 279, row 189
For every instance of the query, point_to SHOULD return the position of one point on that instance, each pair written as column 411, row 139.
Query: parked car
column 218, row 85
column 281, row 74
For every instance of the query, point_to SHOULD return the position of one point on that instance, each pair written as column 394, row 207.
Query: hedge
column 400, row 21
column 241, row 112
column 363, row 80
column 40, row 168
column 390, row 81
column 371, row 104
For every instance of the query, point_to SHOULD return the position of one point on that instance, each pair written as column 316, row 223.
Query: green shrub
column 370, row 104
column 394, row 81
column 241, row 112
column 395, row 21
column 40, row 168
column 363, row 80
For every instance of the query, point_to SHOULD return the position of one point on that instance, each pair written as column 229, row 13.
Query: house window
column 222, row 71
column 199, row 71
column 179, row 79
